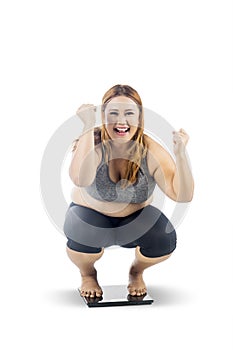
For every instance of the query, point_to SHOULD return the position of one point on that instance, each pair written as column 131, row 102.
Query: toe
column 93, row 294
column 82, row 293
column 132, row 292
column 98, row 294
column 141, row 292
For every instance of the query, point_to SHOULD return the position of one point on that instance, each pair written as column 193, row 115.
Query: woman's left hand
column 180, row 140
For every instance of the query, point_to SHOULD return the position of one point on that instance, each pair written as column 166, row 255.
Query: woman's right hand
column 87, row 113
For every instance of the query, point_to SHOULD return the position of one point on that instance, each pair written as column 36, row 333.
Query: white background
column 56, row 55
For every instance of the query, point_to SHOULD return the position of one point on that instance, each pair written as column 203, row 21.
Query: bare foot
column 90, row 287
column 136, row 286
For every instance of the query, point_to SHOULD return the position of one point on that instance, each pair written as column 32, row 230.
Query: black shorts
column 88, row 231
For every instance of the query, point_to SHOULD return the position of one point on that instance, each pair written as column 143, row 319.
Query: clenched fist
column 87, row 113
column 180, row 140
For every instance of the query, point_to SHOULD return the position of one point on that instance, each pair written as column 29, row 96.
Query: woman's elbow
column 184, row 199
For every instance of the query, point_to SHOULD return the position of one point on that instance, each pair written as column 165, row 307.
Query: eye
column 113, row 113
column 130, row 114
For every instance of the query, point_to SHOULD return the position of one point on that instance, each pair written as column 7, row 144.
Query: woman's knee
column 155, row 244
column 155, row 259
column 81, row 248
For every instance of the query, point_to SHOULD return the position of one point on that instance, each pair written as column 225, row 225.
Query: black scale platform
column 117, row 296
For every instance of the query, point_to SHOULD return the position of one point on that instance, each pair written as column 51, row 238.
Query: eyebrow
column 115, row 109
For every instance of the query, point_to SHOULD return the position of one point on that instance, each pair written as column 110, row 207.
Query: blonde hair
column 138, row 147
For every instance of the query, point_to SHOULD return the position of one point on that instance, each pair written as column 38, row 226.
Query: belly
column 81, row 197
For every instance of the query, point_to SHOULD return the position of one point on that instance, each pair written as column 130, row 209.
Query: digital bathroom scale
column 116, row 295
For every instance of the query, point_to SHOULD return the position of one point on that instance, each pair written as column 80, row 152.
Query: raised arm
column 85, row 158
column 174, row 178
column 183, row 180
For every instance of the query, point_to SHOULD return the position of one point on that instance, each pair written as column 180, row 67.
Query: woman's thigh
column 88, row 227
column 159, row 239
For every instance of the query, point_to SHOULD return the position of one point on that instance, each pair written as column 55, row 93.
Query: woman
column 115, row 169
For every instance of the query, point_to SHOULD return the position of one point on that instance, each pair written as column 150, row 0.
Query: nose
column 121, row 119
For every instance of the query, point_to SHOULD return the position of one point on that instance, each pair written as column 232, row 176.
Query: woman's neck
column 120, row 150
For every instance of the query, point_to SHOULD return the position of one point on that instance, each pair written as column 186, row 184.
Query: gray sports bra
column 104, row 189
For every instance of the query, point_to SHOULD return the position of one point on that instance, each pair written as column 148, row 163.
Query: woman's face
column 121, row 118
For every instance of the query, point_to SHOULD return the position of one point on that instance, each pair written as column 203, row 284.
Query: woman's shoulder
column 99, row 150
column 151, row 144
column 156, row 153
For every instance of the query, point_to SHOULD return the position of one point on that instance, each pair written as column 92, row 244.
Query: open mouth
column 121, row 130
